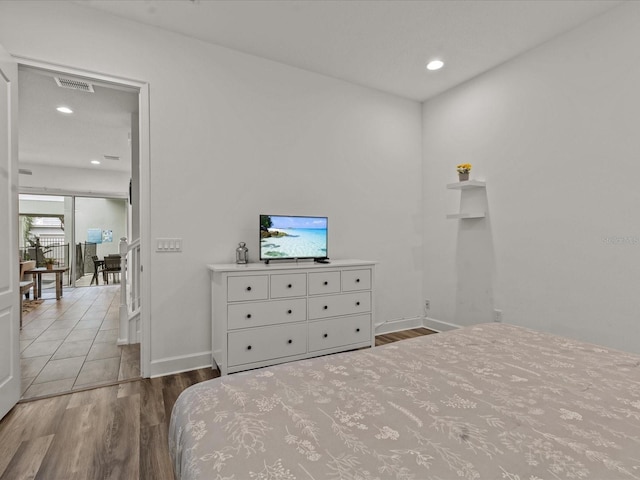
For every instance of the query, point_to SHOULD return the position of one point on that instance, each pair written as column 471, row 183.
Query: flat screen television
column 293, row 237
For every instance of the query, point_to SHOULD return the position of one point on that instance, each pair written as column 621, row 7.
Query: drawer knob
column 326, row 283
column 357, row 280
column 248, row 315
column 289, row 286
column 290, row 341
column 248, row 288
column 289, row 311
column 326, row 307
column 248, row 347
column 357, row 304
column 325, row 335
column 357, row 329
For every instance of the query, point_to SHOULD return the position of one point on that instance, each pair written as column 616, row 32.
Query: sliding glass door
column 71, row 231
column 44, row 230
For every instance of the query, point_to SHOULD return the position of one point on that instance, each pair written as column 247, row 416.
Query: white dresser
column 268, row 314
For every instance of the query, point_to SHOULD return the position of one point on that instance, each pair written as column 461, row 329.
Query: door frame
column 144, row 189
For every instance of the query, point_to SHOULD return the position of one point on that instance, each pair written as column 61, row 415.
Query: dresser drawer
column 256, row 314
column 334, row 305
column 336, row 332
column 353, row 280
column 250, row 287
column 288, row 285
column 324, row 282
column 259, row 344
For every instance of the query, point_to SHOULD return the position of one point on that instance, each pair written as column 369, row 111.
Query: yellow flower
column 464, row 168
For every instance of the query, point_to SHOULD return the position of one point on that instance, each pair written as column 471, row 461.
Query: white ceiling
column 99, row 125
column 380, row 44
column 377, row 43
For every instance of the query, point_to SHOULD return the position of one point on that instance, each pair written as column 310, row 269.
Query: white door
column 9, row 267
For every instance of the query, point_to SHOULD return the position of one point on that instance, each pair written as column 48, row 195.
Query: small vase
column 242, row 254
column 463, row 177
column 49, row 266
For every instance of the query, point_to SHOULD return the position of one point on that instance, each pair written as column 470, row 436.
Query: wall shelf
column 466, row 185
column 462, row 216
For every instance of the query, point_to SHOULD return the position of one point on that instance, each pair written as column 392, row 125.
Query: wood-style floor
column 117, row 432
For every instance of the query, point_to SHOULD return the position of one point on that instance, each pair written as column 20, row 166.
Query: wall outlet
column 427, row 304
column 497, row 315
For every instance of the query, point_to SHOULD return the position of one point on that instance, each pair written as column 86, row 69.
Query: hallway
column 70, row 344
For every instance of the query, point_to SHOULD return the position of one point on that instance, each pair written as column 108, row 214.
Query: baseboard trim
column 398, row 325
column 438, row 325
column 184, row 363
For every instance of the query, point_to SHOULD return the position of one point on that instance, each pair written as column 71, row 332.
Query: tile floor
column 71, row 343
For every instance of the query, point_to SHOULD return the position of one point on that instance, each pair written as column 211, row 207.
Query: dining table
column 37, row 280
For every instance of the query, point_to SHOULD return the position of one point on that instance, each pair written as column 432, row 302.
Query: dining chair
column 98, row 265
column 111, row 265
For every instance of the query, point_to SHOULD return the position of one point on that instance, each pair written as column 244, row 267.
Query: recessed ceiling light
column 95, row 162
column 435, row 65
column 64, row 110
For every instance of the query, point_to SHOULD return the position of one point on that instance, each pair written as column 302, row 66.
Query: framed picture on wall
column 94, row 235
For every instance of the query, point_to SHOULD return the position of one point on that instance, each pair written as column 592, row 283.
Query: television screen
column 287, row 237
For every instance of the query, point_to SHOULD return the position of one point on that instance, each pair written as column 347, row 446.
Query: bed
column 491, row 401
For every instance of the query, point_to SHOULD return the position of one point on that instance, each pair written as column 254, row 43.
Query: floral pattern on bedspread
column 491, row 401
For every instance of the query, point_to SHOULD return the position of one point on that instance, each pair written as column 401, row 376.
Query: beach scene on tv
column 292, row 237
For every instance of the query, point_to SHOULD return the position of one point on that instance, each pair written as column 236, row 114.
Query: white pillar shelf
column 466, row 185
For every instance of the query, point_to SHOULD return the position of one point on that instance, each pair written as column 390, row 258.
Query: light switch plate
column 172, row 245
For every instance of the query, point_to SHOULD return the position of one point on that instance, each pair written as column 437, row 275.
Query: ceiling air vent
column 74, row 84
column 25, row 171
column 111, row 157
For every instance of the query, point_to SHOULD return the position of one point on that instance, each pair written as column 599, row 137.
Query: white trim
column 145, row 177
column 439, row 325
column 183, row 363
column 72, row 250
column 79, row 72
column 398, row 325
column 70, row 193
column 134, row 328
column 145, row 231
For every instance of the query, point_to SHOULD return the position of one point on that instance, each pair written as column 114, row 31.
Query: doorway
column 81, row 187
column 71, row 343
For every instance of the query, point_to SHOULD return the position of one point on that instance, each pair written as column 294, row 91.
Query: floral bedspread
column 492, row 401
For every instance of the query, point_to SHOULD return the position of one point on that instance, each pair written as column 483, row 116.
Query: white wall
column 103, row 214
column 555, row 134
column 233, row 136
